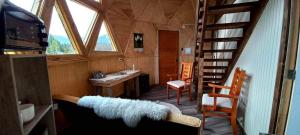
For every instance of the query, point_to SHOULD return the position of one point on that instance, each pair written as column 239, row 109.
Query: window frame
column 87, row 50
column 88, row 35
column 60, row 15
column 118, row 51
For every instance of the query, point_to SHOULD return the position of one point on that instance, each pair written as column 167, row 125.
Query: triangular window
column 83, row 17
column 105, row 41
column 59, row 42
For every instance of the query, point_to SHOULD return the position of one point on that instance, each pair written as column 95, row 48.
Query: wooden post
column 200, row 84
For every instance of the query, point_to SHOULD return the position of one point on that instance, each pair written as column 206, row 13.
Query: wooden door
column 168, row 54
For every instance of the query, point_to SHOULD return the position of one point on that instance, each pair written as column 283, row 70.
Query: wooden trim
column 46, row 12
column 38, row 7
column 90, row 4
column 113, row 36
column 219, row 51
column 288, row 53
column 217, row 60
column 235, row 25
column 92, row 40
column 231, row 39
column 71, row 29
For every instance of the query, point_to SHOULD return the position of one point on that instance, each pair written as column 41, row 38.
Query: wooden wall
column 149, row 16
column 69, row 79
column 124, row 18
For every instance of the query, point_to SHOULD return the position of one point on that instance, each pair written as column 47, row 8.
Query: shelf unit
column 25, row 79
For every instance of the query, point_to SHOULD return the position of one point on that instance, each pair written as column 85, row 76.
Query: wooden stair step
column 231, row 39
column 212, row 77
column 216, row 60
column 226, row 26
column 201, row 10
column 209, row 88
column 232, row 8
column 206, row 83
column 215, row 67
column 215, row 51
column 212, row 82
column 200, row 21
column 213, row 74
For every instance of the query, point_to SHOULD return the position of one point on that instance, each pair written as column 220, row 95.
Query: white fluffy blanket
column 131, row 111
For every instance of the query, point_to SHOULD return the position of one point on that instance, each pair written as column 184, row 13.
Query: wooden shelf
column 40, row 112
column 25, row 79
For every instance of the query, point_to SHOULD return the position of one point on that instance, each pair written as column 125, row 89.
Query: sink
column 120, row 73
column 124, row 72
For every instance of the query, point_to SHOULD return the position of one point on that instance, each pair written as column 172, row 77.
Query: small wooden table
column 129, row 77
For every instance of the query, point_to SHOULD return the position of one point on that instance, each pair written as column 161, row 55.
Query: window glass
column 83, row 18
column 25, row 4
column 59, row 42
column 105, row 41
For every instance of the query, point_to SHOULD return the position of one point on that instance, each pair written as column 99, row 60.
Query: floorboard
column 213, row 126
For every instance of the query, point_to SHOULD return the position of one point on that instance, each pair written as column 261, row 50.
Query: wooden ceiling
column 123, row 15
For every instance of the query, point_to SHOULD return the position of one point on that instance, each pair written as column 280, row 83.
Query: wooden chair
column 182, row 85
column 226, row 103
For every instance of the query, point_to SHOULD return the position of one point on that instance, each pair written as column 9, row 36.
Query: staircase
column 216, row 56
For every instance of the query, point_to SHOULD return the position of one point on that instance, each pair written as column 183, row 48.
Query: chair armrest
column 186, row 79
column 218, row 86
column 223, row 95
column 184, row 120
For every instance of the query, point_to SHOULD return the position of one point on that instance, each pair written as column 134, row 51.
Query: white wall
column 294, row 117
column 260, row 59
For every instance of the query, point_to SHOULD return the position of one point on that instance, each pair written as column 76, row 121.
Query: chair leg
column 234, row 125
column 203, row 120
column 178, row 96
column 190, row 94
column 168, row 91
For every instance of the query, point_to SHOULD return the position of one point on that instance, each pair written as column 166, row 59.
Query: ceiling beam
column 90, row 3
column 70, row 26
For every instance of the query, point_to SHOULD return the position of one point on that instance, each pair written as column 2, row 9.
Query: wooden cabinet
column 25, row 79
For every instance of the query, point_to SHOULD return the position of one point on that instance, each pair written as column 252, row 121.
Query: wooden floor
column 213, row 126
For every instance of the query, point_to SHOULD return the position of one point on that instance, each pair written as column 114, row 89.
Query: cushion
column 176, row 83
column 221, row 102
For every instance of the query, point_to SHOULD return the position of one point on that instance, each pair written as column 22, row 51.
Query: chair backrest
column 236, row 85
column 186, row 70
